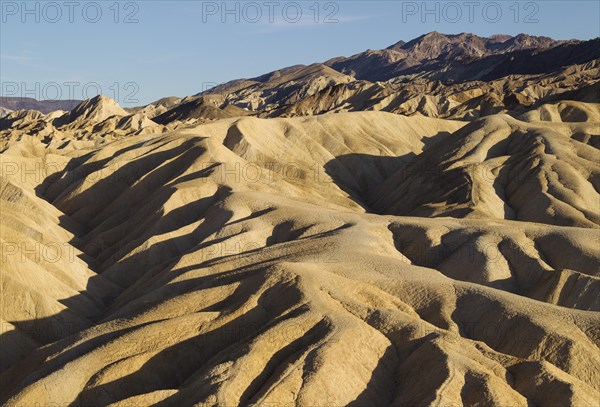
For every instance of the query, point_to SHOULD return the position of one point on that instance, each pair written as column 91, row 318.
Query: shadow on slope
column 361, row 175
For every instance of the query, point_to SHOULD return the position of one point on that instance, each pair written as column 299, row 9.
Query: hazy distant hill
column 44, row 106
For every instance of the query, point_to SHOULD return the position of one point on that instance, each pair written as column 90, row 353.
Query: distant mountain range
column 460, row 76
column 43, row 106
column 214, row 250
column 442, row 57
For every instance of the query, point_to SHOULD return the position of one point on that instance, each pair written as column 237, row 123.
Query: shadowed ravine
column 195, row 268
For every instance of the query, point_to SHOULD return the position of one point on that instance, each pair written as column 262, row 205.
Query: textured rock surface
column 273, row 242
column 243, row 262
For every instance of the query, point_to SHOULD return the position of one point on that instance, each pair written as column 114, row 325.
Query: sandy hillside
column 362, row 259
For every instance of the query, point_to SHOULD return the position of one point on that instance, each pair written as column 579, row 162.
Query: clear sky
column 140, row 51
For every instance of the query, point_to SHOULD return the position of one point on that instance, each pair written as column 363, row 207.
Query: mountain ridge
column 449, row 58
column 306, row 237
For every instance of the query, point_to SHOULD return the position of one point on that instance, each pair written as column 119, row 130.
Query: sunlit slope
column 237, row 263
column 503, row 168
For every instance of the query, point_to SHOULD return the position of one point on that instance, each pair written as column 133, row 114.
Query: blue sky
column 137, row 52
